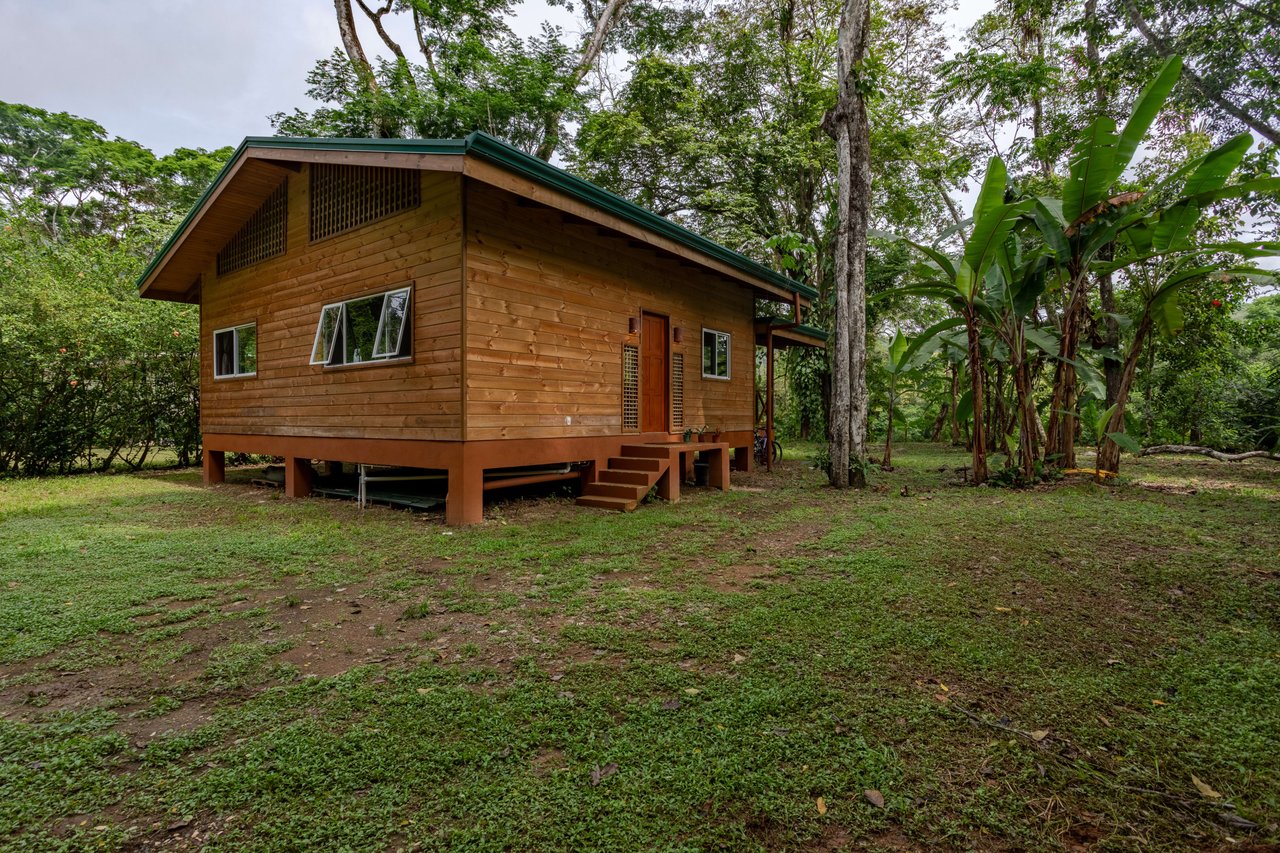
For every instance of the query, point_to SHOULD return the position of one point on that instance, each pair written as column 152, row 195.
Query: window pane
column 224, row 353
column 325, row 333
column 708, row 353
column 722, row 355
column 390, row 336
column 247, row 340
column 360, row 329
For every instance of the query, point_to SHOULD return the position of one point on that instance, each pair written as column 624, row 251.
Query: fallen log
column 1191, row 449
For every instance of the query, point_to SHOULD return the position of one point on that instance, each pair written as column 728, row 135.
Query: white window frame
column 728, row 354
column 325, row 358
column 235, row 350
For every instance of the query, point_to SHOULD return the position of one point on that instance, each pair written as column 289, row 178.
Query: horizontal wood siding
column 548, row 303
column 421, row 398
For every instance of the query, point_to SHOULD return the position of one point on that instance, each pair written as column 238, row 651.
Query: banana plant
column 961, row 282
column 1092, row 222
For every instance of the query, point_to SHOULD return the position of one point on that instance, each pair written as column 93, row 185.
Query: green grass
column 1011, row 669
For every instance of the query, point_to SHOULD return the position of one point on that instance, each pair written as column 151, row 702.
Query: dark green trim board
column 485, row 147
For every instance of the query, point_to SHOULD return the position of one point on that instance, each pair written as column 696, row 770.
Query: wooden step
column 651, row 451
column 633, row 463
column 604, row 502
column 631, row 478
column 616, row 490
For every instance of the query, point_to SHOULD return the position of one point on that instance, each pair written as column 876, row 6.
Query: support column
column 298, row 477
column 718, row 470
column 465, row 502
column 669, row 482
column 215, row 467
column 742, row 457
column 768, row 399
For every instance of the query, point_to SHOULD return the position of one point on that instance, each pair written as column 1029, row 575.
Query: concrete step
column 603, row 502
column 634, row 463
column 631, row 478
column 616, row 490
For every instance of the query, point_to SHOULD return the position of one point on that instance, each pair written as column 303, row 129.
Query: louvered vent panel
column 345, row 197
column 677, row 390
column 262, row 237
column 631, row 388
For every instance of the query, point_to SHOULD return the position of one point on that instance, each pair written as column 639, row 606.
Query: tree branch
column 1162, row 47
column 1190, row 449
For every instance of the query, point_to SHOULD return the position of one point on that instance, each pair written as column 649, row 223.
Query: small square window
column 235, row 351
column 715, row 354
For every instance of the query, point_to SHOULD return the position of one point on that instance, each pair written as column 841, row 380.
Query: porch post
column 297, row 477
column 215, row 467
column 465, row 502
column 768, row 398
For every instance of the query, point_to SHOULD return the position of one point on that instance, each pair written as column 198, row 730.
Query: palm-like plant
column 1094, row 223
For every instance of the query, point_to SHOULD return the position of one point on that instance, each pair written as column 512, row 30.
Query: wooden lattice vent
column 346, row 197
column 677, row 390
column 262, row 237
column 630, row 387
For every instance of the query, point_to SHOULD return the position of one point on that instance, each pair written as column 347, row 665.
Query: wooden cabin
column 461, row 306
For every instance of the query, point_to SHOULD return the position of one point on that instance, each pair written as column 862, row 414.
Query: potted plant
column 688, row 435
column 703, row 434
column 715, row 433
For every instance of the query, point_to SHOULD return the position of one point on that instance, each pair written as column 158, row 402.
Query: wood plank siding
column 548, row 305
column 420, row 398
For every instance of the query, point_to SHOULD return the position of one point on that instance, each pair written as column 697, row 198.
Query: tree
column 847, row 123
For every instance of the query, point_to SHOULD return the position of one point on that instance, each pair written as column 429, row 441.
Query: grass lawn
column 1070, row 666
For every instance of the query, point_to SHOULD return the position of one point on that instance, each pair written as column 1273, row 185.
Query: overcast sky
column 193, row 73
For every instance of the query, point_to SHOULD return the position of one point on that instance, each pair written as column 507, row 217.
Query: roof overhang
column 260, row 163
column 787, row 334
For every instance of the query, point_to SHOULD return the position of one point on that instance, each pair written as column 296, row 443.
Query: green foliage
column 90, row 375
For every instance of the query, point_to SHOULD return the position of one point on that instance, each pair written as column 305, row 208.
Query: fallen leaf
column 822, row 806
column 941, row 697
column 1004, row 609
column 1105, row 721
column 945, row 688
column 1158, row 702
column 1039, row 735
column 599, row 774
column 1204, row 789
column 738, row 658
column 871, row 795
column 671, row 705
column 692, row 691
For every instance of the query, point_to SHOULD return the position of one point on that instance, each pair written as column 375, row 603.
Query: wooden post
column 298, row 476
column 465, row 502
column 768, row 399
column 215, row 467
column 718, row 470
column 669, row 483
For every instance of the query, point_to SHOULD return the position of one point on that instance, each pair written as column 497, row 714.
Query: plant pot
column 701, row 473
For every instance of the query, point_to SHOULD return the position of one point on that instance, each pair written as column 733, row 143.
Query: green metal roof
column 499, row 153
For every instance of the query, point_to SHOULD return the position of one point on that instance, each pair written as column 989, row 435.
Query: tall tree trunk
column 847, row 123
column 955, row 401
column 977, row 375
column 1109, row 454
column 1028, row 420
column 886, row 464
column 592, row 45
column 1060, row 442
column 360, row 62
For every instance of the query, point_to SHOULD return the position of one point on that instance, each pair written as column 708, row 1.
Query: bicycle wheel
column 777, row 451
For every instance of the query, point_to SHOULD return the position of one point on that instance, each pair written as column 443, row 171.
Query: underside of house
column 459, row 306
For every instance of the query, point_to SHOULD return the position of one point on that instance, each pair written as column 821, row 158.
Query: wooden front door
column 654, row 374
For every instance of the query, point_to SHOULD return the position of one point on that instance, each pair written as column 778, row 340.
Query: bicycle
column 761, row 447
